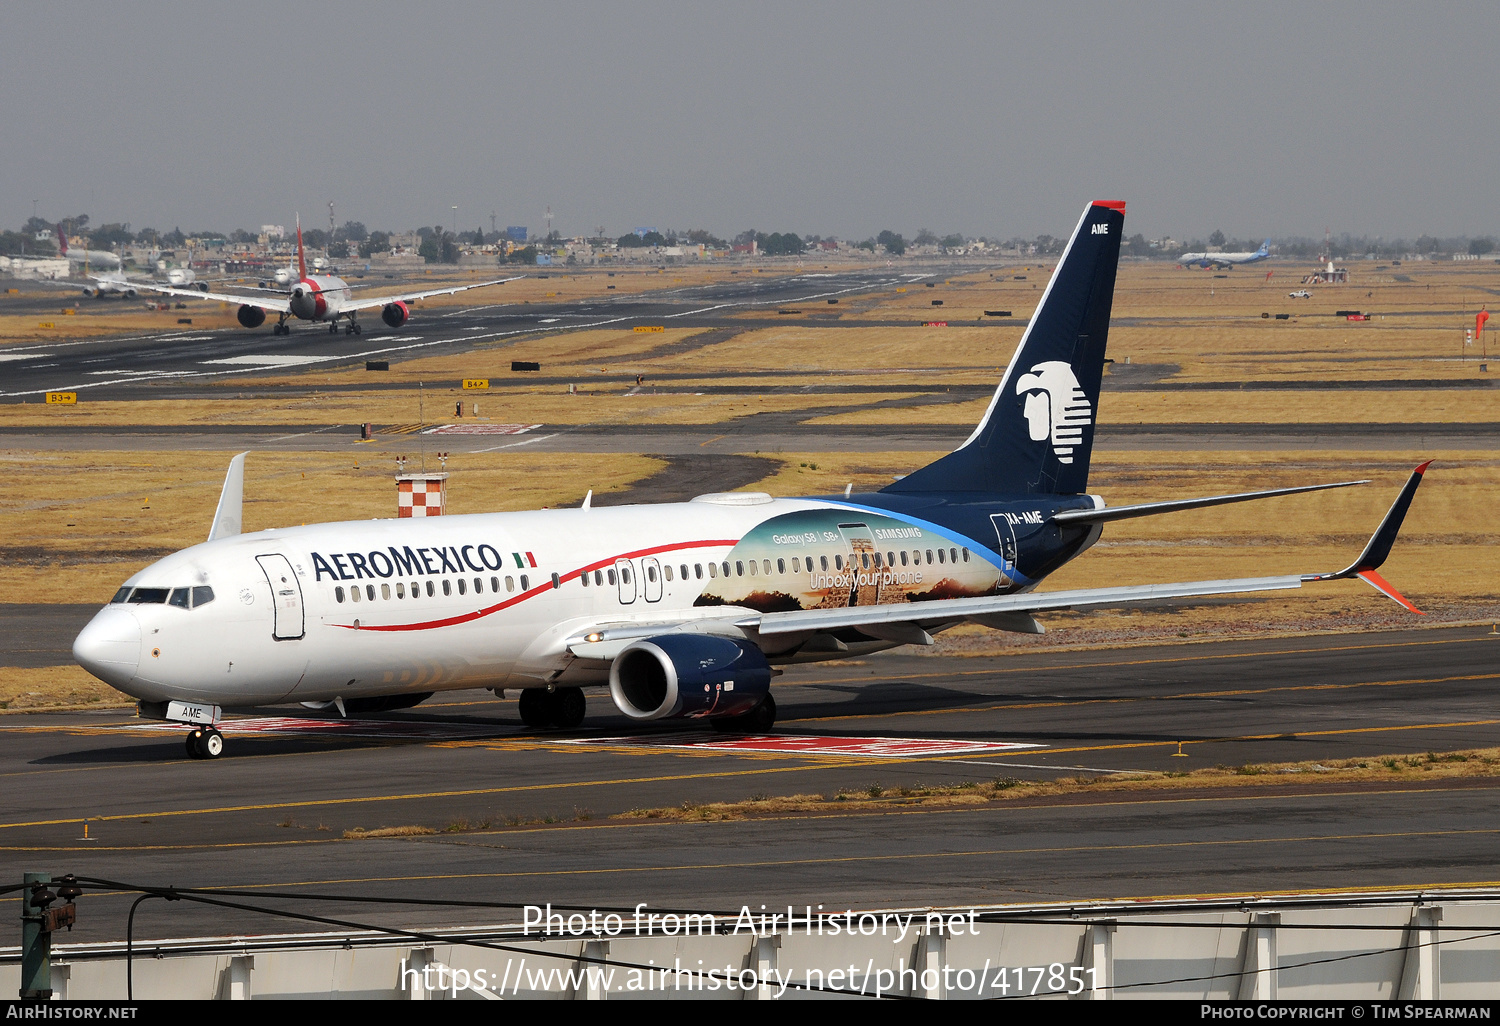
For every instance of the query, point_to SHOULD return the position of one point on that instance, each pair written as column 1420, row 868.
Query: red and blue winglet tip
column 1379, row 546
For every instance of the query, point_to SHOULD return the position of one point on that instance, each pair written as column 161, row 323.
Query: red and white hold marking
column 795, row 744
column 481, row 429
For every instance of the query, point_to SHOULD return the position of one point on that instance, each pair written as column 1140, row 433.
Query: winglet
column 1379, row 546
column 231, row 501
column 301, row 260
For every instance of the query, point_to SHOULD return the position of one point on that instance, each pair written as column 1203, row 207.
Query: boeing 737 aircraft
column 681, row 609
column 319, row 297
column 1226, row 260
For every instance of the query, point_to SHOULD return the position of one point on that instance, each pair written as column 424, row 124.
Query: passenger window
column 400, row 590
column 148, row 596
column 120, row 596
column 625, row 574
column 599, row 578
column 651, row 574
column 929, row 557
column 698, row 571
column 429, row 589
column 877, row 560
column 864, row 558
column 479, row 585
column 556, row 582
column 179, row 598
column 739, row 567
column 903, row 557
column 525, row 582
column 416, row 589
column 823, row 561
column 510, row 583
column 752, row 568
column 796, row 564
column 463, row 588
column 338, row 595
column 766, row 566
column 495, row 585
column 385, row 592
column 370, row 592
column 611, row 575
column 354, row 594
column 667, row 570
column 781, row 566
column 583, row 578
column 838, row 562
column 447, row 587
column 966, row 555
column 725, row 568
column 890, row 558
column 953, row 555
column 940, row 555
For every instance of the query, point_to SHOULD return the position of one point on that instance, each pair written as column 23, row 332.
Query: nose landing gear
column 205, row 743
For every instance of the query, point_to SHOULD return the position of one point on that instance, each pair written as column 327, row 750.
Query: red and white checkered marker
column 419, row 495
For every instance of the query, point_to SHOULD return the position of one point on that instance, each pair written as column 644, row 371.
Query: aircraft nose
column 110, row 646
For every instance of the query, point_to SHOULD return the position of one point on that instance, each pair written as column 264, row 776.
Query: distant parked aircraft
column 1227, row 260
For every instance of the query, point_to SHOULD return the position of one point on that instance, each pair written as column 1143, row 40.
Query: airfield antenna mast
column 493, row 229
column 330, row 222
column 549, row 222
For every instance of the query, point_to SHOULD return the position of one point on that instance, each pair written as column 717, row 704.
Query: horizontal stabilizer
column 1147, row 509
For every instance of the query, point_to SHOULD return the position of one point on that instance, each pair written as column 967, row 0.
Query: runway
column 523, row 817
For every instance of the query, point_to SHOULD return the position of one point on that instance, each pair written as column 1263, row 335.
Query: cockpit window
column 148, row 596
column 202, row 595
column 180, row 597
column 121, row 596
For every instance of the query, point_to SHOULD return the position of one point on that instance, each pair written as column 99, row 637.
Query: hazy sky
column 987, row 118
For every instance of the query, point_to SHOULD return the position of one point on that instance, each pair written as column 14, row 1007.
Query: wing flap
column 409, row 297
column 279, row 305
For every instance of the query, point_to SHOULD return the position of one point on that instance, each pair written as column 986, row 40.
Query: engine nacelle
column 251, row 316
column 688, row 675
column 394, row 314
column 306, row 303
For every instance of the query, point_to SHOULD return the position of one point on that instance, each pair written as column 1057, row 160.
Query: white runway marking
column 22, row 356
column 270, row 360
column 794, row 744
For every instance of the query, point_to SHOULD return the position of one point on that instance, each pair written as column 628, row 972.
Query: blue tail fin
column 1038, row 433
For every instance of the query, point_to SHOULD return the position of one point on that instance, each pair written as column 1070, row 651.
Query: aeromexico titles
column 683, row 610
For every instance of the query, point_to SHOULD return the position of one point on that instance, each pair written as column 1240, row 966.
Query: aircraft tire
column 192, row 744
column 567, row 707
column 212, row 744
column 756, row 721
column 533, row 708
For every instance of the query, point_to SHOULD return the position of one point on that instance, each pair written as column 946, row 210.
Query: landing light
column 596, row 636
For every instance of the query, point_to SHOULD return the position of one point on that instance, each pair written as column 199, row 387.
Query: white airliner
column 93, row 257
column 319, row 297
column 681, row 609
column 1226, row 260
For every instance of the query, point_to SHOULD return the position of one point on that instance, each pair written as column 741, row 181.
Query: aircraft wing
column 910, row 622
column 407, row 297
column 281, row 305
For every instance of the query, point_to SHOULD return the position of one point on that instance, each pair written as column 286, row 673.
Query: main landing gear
column 756, row 721
column 352, row 328
column 205, row 743
column 561, row 709
column 281, row 327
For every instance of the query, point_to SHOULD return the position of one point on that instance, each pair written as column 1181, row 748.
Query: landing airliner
column 319, row 297
column 683, row 610
column 1226, row 260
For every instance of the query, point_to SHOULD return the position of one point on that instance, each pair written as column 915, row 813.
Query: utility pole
column 493, row 229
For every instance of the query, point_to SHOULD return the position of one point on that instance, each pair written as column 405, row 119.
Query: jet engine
column 251, row 316
column 394, row 314
column 688, row 675
column 307, row 303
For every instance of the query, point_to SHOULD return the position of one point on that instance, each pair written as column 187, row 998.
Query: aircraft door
column 1007, row 536
column 286, row 597
column 625, row 578
column 651, row 578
